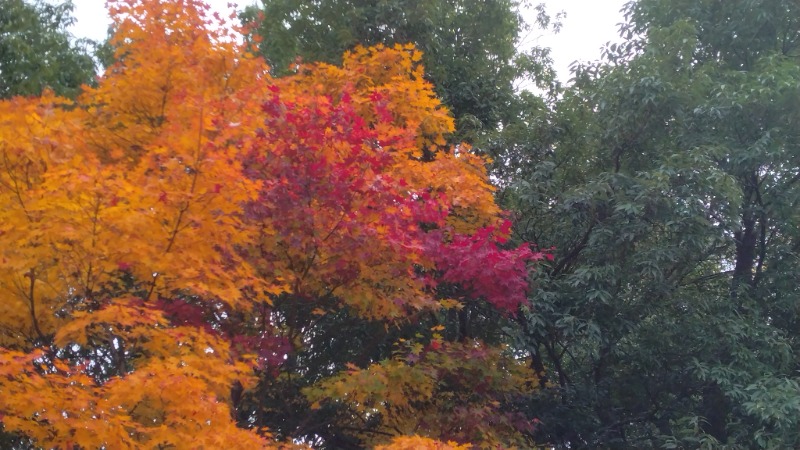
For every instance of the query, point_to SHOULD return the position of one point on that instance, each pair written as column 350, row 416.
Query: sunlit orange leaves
column 148, row 229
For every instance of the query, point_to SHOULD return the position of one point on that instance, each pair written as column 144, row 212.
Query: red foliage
column 479, row 264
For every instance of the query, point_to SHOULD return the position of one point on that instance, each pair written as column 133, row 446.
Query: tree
column 469, row 47
column 191, row 234
column 37, row 52
column 667, row 318
column 341, row 267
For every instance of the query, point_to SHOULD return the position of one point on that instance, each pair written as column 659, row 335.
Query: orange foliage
column 134, row 182
column 188, row 173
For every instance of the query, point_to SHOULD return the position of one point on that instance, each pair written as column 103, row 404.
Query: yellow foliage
column 445, row 389
column 421, row 443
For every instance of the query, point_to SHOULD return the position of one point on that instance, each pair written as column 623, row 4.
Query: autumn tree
column 191, row 237
column 365, row 288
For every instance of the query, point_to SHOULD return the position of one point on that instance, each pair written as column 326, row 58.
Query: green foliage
column 37, row 52
column 666, row 178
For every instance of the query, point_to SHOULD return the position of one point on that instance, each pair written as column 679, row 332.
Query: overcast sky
column 588, row 26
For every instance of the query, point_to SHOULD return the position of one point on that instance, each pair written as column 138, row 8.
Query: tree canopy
column 469, row 47
column 668, row 187
column 207, row 248
column 197, row 254
column 37, row 52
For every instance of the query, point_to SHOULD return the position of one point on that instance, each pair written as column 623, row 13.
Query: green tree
column 37, row 51
column 469, row 46
column 668, row 183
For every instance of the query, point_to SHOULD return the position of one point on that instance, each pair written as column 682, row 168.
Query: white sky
column 589, row 25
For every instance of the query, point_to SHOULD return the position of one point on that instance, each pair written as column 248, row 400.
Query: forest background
column 392, row 245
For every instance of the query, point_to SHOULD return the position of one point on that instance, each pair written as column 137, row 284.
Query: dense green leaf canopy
column 37, row 52
column 668, row 184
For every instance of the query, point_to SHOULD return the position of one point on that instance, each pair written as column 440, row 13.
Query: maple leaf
column 479, row 264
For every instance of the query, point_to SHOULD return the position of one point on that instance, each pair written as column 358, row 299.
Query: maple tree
column 176, row 240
